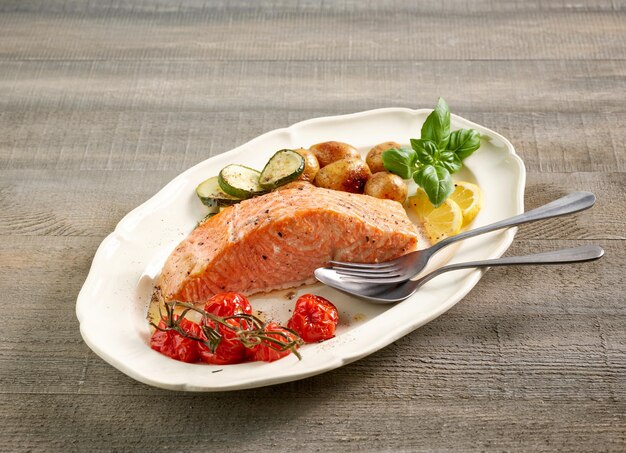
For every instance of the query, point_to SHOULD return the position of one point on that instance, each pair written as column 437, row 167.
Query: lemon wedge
column 469, row 198
column 439, row 223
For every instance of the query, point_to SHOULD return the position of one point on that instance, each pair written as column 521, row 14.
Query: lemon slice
column 439, row 223
column 469, row 198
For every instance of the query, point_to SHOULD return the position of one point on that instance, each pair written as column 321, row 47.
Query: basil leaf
column 426, row 150
column 400, row 161
column 450, row 161
column 436, row 128
column 417, row 176
column 436, row 182
column 464, row 142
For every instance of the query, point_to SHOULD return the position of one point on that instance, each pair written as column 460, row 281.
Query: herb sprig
column 435, row 156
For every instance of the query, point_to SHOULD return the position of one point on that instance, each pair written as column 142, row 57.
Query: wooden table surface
column 103, row 103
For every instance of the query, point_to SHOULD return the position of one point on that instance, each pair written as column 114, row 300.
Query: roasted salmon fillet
column 277, row 240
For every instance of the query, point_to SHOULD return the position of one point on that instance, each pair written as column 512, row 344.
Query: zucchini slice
column 283, row 167
column 239, row 181
column 212, row 195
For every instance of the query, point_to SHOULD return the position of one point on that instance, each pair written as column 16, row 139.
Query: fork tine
column 362, row 265
column 349, row 279
column 364, row 272
column 367, row 277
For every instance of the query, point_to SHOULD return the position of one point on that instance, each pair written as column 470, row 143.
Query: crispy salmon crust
column 277, row 240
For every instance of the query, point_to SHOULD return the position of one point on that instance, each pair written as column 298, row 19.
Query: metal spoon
column 391, row 293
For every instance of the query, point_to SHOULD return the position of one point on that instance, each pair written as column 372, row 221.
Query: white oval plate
column 113, row 302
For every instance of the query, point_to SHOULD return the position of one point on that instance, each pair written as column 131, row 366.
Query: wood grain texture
column 103, row 103
column 561, row 116
column 315, row 30
column 504, row 425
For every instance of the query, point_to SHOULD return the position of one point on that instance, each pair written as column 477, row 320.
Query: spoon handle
column 573, row 255
column 569, row 204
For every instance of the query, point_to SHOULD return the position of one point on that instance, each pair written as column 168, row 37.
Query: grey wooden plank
column 604, row 220
column 90, row 203
column 86, row 140
column 445, row 31
column 155, row 7
column 170, row 86
column 277, row 421
column 198, row 86
column 119, row 114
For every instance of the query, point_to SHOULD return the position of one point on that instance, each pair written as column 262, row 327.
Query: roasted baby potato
column 328, row 152
column 346, row 175
column 386, row 185
column 311, row 165
column 374, row 157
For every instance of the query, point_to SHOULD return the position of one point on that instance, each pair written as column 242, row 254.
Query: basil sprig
column 435, row 156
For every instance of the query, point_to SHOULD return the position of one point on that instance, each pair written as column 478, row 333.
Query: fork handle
column 572, row 255
column 569, row 204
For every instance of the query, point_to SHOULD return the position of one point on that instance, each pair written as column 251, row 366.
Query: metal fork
column 411, row 264
column 389, row 294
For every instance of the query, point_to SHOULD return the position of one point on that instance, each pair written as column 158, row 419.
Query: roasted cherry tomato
column 228, row 304
column 174, row 345
column 265, row 350
column 230, row 349
column 314, row 318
